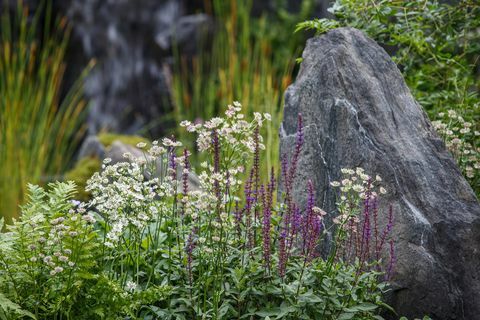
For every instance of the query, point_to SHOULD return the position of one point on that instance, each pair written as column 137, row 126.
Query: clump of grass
column 245, row 60
column 39, row 130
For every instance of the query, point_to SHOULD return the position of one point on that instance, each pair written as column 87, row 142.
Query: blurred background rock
column 130, row 89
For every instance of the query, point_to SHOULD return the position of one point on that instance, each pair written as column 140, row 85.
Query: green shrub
column 48, row 255
column 223, row 257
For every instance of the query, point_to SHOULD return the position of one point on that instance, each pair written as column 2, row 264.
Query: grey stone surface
column 128, row 89
column 358, row 112
column 91, row 147
column 118, row 149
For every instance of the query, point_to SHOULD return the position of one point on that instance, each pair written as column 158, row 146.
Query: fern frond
column 9, row 308
column 59, row 193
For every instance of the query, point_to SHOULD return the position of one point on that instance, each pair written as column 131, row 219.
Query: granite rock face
column 358, row 112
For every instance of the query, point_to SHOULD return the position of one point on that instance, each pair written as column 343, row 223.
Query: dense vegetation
column 155, row 248
column 146, row 243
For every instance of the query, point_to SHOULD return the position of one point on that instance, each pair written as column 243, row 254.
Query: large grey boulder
column 358, row 112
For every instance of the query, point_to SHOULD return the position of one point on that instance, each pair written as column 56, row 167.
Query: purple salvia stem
column 387, row 229
column 288, row 199
column 315, row 235
column 375, row 225
column 256, row 178
column 227, row 182
column 189, row 250
column 238, row 218
column 284, row 164
column 271, row 185
column 248, row 208
column 282, row 243
column 186, row 167
column 173, row 163
column 365, row 245
column 267, row 216
column 295, row 226
column 256, row 161
column 288, row 232
column 311, row 227
column 266, row 224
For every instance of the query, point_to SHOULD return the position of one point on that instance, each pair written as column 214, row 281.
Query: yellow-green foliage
column 82, row 171
column 107, row 138
column 38, row 130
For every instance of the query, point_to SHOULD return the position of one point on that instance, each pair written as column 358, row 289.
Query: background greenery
column 39, row 131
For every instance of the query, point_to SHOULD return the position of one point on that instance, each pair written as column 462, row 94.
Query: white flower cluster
column 125, row 198
column 358, row 181
column 233, row 130
column 131, row 195
column 457, row 133
column 355, row 186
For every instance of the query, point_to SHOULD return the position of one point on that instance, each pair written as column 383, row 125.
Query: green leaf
column 346, row 316
column 271, row 312
column 362, row 307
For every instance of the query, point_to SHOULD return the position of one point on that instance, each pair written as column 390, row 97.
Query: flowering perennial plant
column 462, row 138
column 167, row 249
column 358, row 233
column 45, row 257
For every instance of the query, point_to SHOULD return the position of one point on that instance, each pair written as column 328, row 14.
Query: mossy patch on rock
column 81, row 172
column 106, row 139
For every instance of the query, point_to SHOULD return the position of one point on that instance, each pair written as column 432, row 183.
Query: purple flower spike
column 172, row 161
column 311, row 226
column 267, row 198
column 186, row 168
column 190, row 245
column 387, row 230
